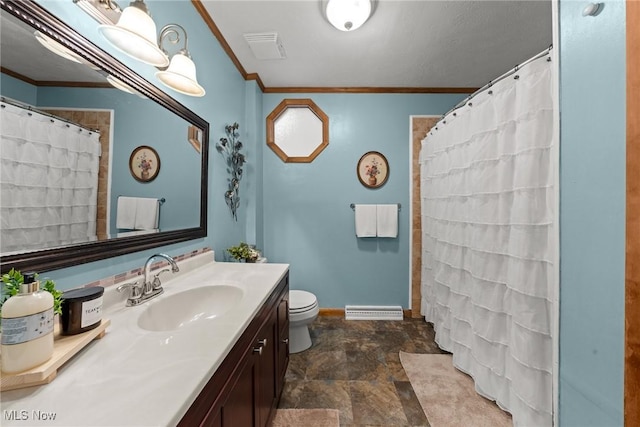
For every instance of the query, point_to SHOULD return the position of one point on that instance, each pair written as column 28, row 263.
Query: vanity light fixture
column 119, row 84
column 55, row 47
column 181, row 73
column 348, row 15
column 104, row 11
column 135, row 35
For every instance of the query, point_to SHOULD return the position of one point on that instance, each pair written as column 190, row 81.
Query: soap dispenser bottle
column 27, row 327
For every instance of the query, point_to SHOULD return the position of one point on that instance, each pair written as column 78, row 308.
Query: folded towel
column 365, row 220
column 387, row 221
column 136, row 233
column 147, row 211
column 137, row 213
column 126, row 212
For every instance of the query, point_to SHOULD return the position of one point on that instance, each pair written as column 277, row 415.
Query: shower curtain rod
column 44, row 113
column 492, row 82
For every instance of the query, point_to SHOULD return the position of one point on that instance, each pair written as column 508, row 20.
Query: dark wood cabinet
column 266, row 370
column 283, row 341
column 246, row 388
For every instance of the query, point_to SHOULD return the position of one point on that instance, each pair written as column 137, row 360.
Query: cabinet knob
column 258, row 350
column 285, row 341
column 262, row 343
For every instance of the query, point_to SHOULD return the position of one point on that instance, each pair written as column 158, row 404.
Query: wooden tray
column 64, row 348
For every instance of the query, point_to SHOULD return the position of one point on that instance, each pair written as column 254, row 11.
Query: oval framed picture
column 144, row 163
column 373, row 169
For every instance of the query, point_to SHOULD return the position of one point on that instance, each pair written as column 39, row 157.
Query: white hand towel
column 147, row 214
column 387, row 221
column 136, row 232
column 365, row 220
column 126, row 212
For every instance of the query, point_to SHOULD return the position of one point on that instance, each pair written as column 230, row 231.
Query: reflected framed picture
column 194, row 136
column 373, row 169
column 144, row 163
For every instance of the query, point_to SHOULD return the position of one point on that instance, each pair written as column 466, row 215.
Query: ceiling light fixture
column 181, row 73
column 348, row 15
column 135, row 35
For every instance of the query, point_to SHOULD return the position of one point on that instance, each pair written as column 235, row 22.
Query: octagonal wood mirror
column 297, row 130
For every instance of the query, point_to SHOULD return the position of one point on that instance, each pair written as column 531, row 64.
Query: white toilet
column 303, row 309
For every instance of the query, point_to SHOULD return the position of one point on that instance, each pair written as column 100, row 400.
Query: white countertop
column 133, row 377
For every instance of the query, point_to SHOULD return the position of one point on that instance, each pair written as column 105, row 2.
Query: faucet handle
column 136, row 289
column 156, row 284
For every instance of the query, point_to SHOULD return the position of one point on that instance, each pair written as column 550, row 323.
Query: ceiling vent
column 266, row 45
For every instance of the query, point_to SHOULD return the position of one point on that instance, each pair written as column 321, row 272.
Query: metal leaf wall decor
column 230, row 148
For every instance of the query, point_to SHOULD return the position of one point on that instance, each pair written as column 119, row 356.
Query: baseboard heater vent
column 373, row 312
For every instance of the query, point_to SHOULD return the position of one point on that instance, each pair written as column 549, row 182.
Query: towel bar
column 161, row 201
column 353, row 206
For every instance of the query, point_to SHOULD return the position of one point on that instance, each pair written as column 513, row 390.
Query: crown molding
column 370, row 89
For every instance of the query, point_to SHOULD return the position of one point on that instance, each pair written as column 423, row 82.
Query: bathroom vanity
column 211, row 350
column 246, row 388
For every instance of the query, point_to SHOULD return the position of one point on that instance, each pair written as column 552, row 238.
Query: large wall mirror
column 137, row 114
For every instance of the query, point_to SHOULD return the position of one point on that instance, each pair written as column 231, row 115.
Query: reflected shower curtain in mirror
column 48, row 181
column 490, row 240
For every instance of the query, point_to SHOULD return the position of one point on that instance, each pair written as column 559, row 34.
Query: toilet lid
column 300, row 300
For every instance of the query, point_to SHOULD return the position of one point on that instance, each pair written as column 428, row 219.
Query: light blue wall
column 592, row 214
column 138, row 122
column 18, row 90
column 308, row 221
column 224, row 103
column 252, row 185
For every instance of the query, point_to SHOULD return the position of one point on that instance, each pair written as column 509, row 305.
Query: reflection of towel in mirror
column 136, row 233
column 126, row 212
column 387, row 222
column 137, row 213
column 365, row 220
column 146, row 214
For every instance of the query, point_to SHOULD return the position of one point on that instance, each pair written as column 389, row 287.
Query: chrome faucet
column 149, row 288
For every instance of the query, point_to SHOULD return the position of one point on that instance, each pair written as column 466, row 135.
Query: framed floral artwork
column 373, row 169
column 144, row 163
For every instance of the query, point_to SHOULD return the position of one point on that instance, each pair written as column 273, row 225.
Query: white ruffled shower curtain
column 489, row 240
column 48, row 181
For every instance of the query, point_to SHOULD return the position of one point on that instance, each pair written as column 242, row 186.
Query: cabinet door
column 283, row 341
column 266, row 361
column 239, row 409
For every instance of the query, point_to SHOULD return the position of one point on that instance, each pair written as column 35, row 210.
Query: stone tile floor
column 354, row 366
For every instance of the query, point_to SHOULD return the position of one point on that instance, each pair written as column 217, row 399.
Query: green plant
column 244, row 252
column 50, row 286
column 11, row 286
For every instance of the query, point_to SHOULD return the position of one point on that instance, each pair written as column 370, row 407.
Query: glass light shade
column 348, row 15
column 181, row 76
column 56, row 47
column 135, row 35
column 119, row 84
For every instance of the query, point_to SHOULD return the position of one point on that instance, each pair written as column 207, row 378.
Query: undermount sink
column 193, row 305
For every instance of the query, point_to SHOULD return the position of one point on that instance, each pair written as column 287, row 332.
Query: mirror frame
column 281, row 109
column 52, row 259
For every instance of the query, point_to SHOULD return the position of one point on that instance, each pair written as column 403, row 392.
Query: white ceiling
column 21, row 53
column 405, row 44
column 419, row 43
